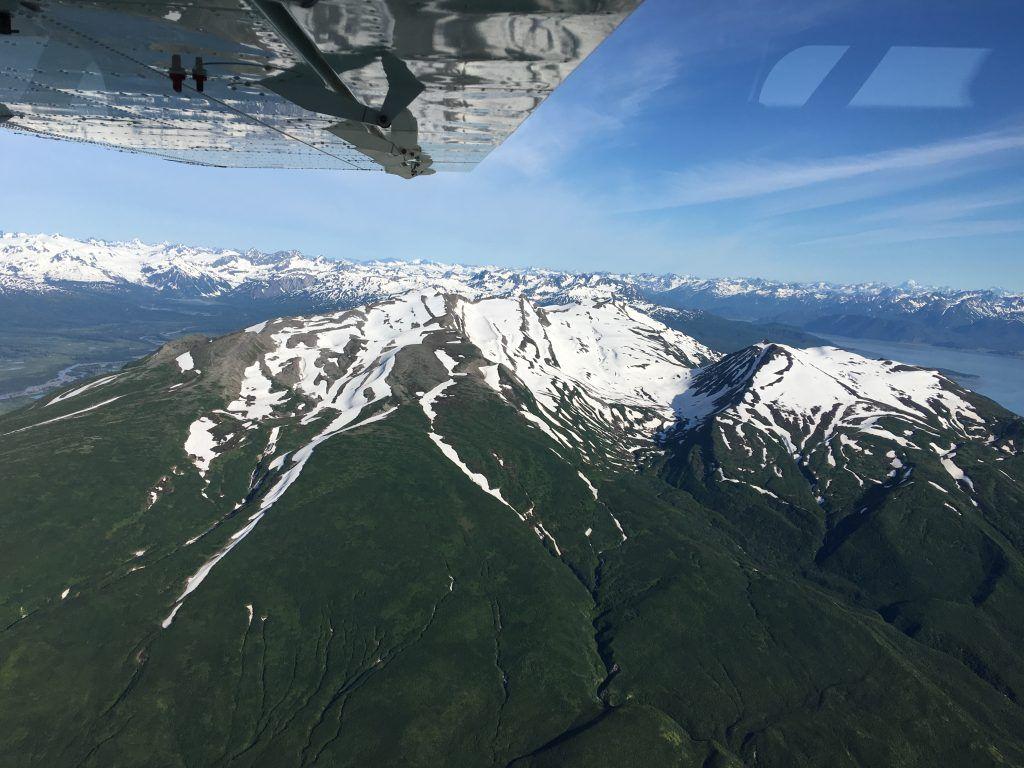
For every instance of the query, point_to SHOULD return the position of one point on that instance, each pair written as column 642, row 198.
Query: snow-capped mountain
column 805, row 397
column 835, row 423
column 556, row 514
column 609, row 386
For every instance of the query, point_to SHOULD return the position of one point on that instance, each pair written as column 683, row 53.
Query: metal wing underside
column 461, row 75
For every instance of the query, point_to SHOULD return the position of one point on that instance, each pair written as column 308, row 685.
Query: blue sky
column 663, row 153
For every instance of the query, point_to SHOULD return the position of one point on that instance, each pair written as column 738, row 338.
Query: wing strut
column 315, row 85
column 348, row 106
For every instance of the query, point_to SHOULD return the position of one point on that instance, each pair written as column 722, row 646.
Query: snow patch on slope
column 185, row 362
column 603, row 365
column 82, row 389
column 71, row 415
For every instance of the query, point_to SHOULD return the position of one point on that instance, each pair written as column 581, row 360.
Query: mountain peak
column 815, row 392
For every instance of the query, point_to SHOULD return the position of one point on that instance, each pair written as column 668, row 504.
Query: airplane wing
column 407, row 86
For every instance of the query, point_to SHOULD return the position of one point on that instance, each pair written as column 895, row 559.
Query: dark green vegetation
column 387, row 612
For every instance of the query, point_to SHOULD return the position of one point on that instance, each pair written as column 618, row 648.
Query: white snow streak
column 82, row 389
column 590, row 485
column 65, row 416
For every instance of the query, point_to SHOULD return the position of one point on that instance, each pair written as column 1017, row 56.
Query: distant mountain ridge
column 53, row 262
column 910, row 295
column 990, row 319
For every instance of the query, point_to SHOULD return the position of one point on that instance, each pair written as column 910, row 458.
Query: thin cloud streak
column 948, row 208
column 873, row 188
column 934, row 231
column 736, row 181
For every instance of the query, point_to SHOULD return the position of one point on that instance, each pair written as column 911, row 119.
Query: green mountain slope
column 438, row 532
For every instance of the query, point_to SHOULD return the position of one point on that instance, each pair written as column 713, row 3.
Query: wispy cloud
column 949, row 208
column 934, row 231
column 742, row 180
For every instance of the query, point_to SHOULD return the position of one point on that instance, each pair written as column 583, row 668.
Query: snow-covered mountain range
column 56, row 266
column 608, row 385
column 991, row 320
column 747, row 295
column 46, row 263
column 53, row 263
